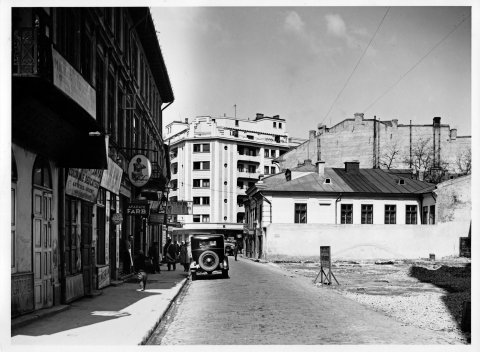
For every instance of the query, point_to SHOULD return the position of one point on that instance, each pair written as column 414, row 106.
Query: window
column 272, row 170
column 196, row 182
column 196, row 218
column 274, row 125
column 300, row 213
column 201, row 148
column 225, row 200
column 240, row 168
column 425, row 215
column 201, row 200
column 279, row 125
column 347, row 214
column 249, row 136
column 266, row 153
column 206, row 200
column 225, row 147
column 236, row 124
column 390, row 214
column 205, row 218
column 197, row 200
column 201, row 165
column 367, row 213
column 41, row 173
column 272, row 153
column 206, row 183
column 267, row 170
column 432, row 215
column 411, row 214
column 251, row 169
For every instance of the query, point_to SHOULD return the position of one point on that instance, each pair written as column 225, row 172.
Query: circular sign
column 139, row 170
column 117, row 218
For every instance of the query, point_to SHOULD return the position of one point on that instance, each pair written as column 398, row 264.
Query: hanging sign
column 139, row 170
column 117, row 218
column 138, row 209
column 112, row 177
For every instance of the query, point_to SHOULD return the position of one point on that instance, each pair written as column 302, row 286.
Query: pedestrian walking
column 235, row 250
column 127, row 256
column 140, row 269
column 184, row 259
column 170, row 254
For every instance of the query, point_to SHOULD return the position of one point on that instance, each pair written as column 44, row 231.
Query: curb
column 150, row 331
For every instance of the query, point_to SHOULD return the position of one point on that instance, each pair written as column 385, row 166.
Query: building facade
column 385, row 144
column 88, row 89
column 213, row 162
column 311, row 201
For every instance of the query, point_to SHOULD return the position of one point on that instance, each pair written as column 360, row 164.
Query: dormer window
column 401, row 182
column 328, row 180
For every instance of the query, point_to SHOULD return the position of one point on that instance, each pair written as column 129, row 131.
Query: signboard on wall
column 68, row 80
column 103, row 276
column 139, row 170
column 83, row 183
column 112, row 177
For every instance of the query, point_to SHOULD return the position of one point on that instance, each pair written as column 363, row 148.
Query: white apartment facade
column 214, row 160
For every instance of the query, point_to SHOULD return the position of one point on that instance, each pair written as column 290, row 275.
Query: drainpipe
column 336, row 202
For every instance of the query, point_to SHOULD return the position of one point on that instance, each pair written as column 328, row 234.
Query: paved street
column 262, row 304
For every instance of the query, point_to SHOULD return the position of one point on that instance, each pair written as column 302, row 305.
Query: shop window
column 346, row 214
column 300, row 213
column 390, row 214
column 41, row 173
column 367, row 213
column 411, row 214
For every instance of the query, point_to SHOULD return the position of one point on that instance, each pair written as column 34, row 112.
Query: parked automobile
column 208, row 255
column 229, row 248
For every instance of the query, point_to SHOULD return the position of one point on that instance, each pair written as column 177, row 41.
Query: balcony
column 53, row 106
column 251, row 158
column 248, row 174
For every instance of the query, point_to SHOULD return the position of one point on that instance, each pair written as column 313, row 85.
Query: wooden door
column 86, row 245
column 42, row 248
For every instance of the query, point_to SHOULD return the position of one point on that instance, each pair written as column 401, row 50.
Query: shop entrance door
column 42, row 248
column 87, row 255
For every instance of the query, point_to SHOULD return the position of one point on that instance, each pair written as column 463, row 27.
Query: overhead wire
column 356, row 65
column 417, row 63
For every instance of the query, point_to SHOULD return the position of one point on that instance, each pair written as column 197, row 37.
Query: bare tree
column 464, row 161
column 390, row 153
column 423, row 160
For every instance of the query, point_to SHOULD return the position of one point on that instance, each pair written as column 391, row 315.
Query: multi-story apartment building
column 88, row 87
column 214, row 160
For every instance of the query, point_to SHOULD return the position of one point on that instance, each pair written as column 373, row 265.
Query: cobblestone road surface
column 263, row 304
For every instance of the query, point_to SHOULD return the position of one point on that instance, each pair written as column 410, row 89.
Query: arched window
column 41, row 173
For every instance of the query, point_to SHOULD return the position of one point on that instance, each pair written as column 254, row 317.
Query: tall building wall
column 358, row 139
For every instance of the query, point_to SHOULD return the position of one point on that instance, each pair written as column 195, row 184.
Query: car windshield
column 204, row 244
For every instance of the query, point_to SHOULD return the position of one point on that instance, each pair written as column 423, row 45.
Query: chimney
column 320, row 168
column 276, row 116
column 186, row 120
column 358, row 117
column 395, row 123
column 311, row 134
column 307, row 162
column 436, row 121
column 453, row 134
column 352, row 167
column 259, row 116
column 321, row 128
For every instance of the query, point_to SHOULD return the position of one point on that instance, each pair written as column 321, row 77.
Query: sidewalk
column 121, row 315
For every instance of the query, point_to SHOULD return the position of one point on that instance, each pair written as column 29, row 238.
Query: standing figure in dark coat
column 170, row 254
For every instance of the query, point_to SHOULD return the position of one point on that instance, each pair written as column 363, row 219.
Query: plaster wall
column 364, row 242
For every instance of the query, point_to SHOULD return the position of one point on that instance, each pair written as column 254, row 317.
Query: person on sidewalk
column 184, row 260
column 170, row 254
column 235, row 250
column 127, row 256
column 140, row 269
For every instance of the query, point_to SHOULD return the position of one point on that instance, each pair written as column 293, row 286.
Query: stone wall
column 454, row 200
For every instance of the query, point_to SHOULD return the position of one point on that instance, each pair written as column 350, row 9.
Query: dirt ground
column 426, row 294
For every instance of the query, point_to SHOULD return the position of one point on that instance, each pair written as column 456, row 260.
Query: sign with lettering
column 112, row 177
column 139, row 170
column 138, row 209
column 71, row 82
column 83, row 183
column 325, row 260
column 117, row 218
column 103, row 276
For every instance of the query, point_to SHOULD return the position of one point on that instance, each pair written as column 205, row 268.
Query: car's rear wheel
column 208, row 260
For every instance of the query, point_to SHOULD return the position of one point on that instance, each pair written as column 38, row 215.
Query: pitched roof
column 374, row 181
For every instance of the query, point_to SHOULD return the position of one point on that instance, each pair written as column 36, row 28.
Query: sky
column 298, row 62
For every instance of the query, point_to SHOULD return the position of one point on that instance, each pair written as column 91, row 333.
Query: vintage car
column 229, row 247
column 208, row 255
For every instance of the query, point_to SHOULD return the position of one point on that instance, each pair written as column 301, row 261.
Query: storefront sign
column 156, row 218
column 69, row 81
column 325, row 260
column 83, row 183
column 138, row 209
column 139, row 170
column 177, row 208
column 117, row 218
column 112, row 177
